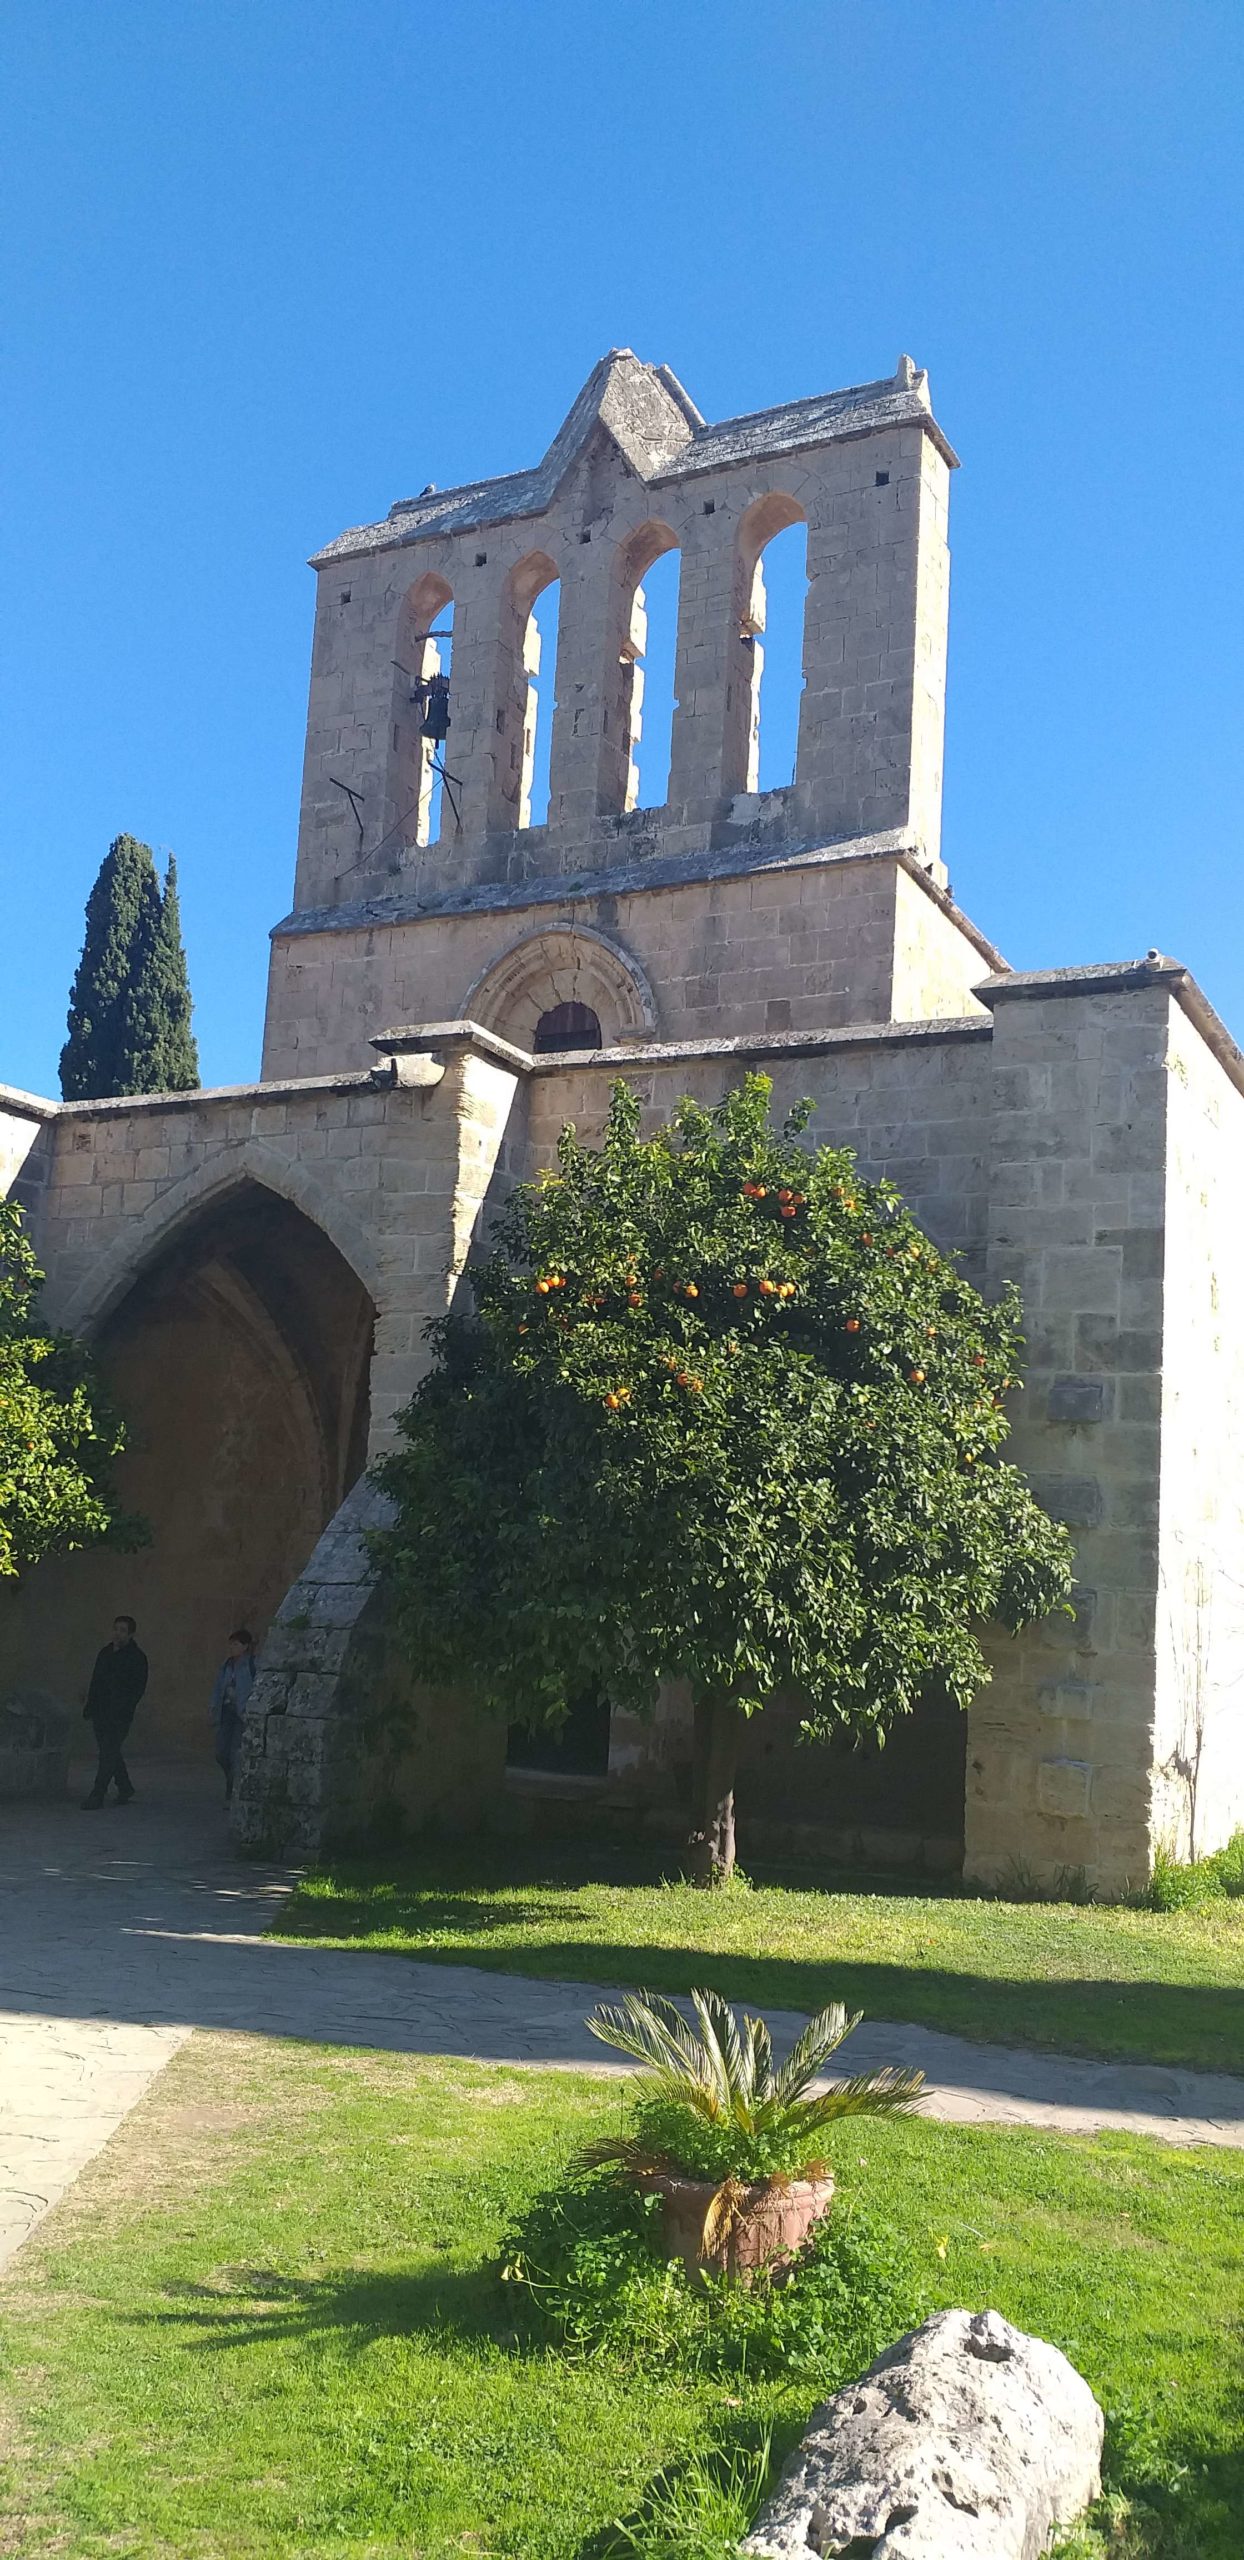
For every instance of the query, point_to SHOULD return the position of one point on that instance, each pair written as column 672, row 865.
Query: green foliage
column 163, row 1055
column 129, row 1010
column 58, row 1434
column 711, row 2104
column 699, row 2510
column 723, row 1412
column 1176, row 1886
column 588, row 2277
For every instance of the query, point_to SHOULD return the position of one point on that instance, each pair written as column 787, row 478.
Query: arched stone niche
column 563, row 964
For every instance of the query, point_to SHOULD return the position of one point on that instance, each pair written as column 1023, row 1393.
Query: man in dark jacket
column 117, row 1683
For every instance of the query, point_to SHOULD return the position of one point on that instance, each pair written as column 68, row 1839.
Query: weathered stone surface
column 34, row 1745
column 968, row 2440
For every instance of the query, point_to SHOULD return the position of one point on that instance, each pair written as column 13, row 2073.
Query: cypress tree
column 161, row 1053
column 93, row 1060
column 129, row 1012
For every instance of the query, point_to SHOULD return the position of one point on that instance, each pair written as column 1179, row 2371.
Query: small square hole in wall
column 481, row 559
column 345, row 595
column 500, row 722
column 585, row 537
column 883, row 479
column 710, row 506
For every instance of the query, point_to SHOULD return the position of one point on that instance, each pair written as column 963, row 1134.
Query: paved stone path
column 122, row 1932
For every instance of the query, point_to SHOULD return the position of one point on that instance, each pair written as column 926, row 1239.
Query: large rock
column 966, row 2441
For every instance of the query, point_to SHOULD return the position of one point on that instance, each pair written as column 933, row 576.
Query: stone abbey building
column 453, row 982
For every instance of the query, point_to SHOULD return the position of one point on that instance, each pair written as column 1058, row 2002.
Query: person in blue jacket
column 234, row 1683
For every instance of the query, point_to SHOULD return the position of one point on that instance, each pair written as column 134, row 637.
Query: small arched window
column 567, row 1026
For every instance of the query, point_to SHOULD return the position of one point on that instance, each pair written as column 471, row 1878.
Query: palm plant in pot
column 733, row 2146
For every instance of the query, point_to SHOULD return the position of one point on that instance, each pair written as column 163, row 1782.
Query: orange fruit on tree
column 739, row 1290
column 768, row 1288
column 915, row 1377
column 852, row 1324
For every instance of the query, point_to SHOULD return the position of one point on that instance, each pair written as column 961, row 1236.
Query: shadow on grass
column 1191, row 2512
column 259, row 2307
column 1164, row 2025
column 1168, row 2025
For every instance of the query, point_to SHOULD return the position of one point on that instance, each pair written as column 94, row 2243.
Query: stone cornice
column 627, row 879
column 1124, row 977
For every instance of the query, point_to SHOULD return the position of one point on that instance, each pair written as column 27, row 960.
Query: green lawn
column 1142, row 1985
column 265, row 2321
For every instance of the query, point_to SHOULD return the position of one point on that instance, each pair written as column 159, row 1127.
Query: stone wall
column 342, row 1744
column 809, row 944
column 24, row 1123
column 1061, row 1747
column 1073, row 1142
column 1199, row 1725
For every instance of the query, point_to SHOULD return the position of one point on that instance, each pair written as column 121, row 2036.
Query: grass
column 1164, row 1987
column 265, row 2322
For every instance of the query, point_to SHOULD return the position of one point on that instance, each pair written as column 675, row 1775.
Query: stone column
column 872, row 716
column 1060, row 1747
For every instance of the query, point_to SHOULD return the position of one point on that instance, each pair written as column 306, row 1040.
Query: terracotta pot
column 767, row 2229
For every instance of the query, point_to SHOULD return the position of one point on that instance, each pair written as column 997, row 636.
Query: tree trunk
column 710, row 1845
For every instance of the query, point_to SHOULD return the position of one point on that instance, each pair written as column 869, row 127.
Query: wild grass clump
column 1179, row 1885
column 698, row 2510
column 589, row 2277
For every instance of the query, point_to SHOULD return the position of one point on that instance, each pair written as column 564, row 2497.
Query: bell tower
column 427, row 696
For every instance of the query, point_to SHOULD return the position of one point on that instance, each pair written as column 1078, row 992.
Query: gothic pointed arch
column 148, row 1233
column 236, row 1339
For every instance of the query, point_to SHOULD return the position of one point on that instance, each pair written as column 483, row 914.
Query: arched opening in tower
column 540, row 663
column 240, row 1358
column 652, row 565
column 782, row 580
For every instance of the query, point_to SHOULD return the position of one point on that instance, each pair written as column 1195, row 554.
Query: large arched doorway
column 240, row 1359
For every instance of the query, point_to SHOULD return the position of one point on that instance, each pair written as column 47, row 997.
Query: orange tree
column 721, row 1413
column 58, row 1433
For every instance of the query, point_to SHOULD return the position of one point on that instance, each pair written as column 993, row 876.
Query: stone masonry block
column 1064, row 1787
column 1077, row 1400
column 1075, row 1500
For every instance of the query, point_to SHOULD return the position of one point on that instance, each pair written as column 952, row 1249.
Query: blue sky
column 270, row 264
